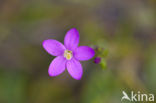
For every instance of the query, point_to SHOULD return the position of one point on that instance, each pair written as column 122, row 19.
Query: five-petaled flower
column 68, row 55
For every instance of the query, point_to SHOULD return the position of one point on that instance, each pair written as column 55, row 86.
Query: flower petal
column 53, row 47
column 75, row 69
column 57, row 66
column 84, row 53
column 71, row 39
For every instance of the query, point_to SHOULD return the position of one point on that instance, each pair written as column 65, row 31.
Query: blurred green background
column 126, row 28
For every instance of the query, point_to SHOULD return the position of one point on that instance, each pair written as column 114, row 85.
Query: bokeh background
column 126, row 28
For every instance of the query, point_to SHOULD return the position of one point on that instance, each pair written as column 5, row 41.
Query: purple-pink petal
column 83, row 53
column 71, row 39
column 75, row 69
column 57, row 66
column 53, row 47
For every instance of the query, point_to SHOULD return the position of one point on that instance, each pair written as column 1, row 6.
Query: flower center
column 68, row 54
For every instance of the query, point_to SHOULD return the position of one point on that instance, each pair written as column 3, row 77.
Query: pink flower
column 68, row 55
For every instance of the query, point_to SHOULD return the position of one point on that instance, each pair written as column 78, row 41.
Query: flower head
column 68, row 55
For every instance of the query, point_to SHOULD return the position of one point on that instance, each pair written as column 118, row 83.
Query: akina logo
column 137, row 97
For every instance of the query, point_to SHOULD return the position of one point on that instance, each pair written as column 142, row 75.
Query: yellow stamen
column 68, row 54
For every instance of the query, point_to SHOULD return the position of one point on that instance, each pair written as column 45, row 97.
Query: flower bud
column 97, row 60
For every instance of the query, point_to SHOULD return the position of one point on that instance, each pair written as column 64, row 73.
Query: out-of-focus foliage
column 125, row 29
